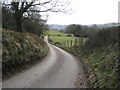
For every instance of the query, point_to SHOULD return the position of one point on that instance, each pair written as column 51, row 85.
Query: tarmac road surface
column 59, row 69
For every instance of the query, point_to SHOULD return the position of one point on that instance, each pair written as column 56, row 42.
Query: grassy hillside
column 100, row 64
column 20, row 49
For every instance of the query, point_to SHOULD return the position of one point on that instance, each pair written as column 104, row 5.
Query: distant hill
column 57, row 26
column 61, row 27
column 106, row 25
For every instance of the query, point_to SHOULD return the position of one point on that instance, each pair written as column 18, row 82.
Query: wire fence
column 74, row 43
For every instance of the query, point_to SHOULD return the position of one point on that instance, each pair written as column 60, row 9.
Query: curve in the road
column 59, row 69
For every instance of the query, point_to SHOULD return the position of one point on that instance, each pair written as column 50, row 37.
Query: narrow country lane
column 59, row 69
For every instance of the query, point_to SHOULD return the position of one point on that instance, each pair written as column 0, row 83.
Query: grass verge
column 101, row 65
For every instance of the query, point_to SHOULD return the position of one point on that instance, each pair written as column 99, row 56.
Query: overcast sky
column 88, row 12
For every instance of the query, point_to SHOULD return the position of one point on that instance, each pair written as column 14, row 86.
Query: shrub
column 103, row 37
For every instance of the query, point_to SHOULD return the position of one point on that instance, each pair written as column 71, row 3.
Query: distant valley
column 61, row 27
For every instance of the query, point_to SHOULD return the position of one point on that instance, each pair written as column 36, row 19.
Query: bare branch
column 15, row 5
column 22, row 5
column 39, row 11
column 26, row 7
column 41, row 3
column 52, row 6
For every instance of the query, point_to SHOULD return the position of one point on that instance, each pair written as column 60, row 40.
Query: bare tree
column 21, row 9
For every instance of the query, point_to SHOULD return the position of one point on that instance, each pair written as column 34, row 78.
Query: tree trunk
column 18, row 18
column 19, row 25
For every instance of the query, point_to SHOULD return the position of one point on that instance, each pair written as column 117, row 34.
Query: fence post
column 75, row 42
column 67, row 43
column 79, row 41
column 64, row 43
column 82, row 41
column 71, row 43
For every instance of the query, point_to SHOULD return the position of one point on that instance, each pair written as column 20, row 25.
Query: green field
column 52, row 32
column 63, row 39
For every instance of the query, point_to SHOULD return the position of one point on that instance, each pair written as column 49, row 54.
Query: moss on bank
column 18, row 49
